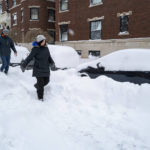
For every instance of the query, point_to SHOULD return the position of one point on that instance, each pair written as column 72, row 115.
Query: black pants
column 41, row 82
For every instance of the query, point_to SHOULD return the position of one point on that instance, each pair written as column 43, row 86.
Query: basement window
column 63, row 5
column 124, row 20
column 64, row 32
column 95, row 30
column 94, row 53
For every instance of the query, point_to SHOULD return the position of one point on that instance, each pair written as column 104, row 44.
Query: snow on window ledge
column 51, row 21
column 34, row 20
column 62, row 11
column 123, row 33
column 14, row 24
column 98, row 4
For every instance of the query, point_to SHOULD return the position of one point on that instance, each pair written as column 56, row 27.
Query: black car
column 129, row 65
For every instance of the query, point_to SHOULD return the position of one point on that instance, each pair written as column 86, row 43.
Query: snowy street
column 77, row 114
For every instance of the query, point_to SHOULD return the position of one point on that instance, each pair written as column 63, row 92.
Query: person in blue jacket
column 6, row 44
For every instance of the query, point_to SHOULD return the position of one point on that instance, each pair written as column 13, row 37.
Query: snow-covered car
column 132, row 65
column 63, row 56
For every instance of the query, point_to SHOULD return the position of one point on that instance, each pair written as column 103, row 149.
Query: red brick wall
column 43, row 15
column 79, row 12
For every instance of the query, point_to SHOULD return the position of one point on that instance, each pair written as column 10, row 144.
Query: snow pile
column 64, row 56
column 124, row 60
column 22, row 53
column 77, row 114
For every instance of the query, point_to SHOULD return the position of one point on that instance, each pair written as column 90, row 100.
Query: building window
column 51, row 15
column 14, row 19
column 63, row 5
column 1, row 27
column 22, row 14
column 95, row 30
column 34, row 13
column 14, row 3
column 64, row 32
column 95, row 2
column 94, row 53
column 124, row 24
column 52, row 35
column 0, row 8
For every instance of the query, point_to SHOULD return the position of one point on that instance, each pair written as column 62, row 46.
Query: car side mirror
column 101, row 68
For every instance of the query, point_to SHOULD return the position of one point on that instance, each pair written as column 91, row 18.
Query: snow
column 64, row 56
column 77, row 114
column 123, row 60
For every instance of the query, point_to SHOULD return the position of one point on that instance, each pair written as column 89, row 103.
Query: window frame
column 53, row 16
column 60, row 5
column 124, row 25
column 93, row 4
column 22, row 15
column 36, row 14
column 95, row 30
column 1, row 8
column 61, row 39
column 14, row 21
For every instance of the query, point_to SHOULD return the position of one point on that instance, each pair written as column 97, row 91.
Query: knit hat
column 5, row 31
column 40, row 38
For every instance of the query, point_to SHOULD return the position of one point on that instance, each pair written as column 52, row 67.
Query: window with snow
column 0, row 8
column 34, row 13
column 14, row 19
column 94, row 53
column 64, row 32
column 95, row 2
column 14, row 3
column 95, row 32
column 124, row 24
column 51, row 15
column 22, row 14
column 63, row 5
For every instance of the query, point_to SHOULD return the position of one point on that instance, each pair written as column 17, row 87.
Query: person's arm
column 29, row 58
column 13, row 46
column 52, row 63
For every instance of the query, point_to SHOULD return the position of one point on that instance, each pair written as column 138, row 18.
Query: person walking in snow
column 41, row 69
column 6, row 44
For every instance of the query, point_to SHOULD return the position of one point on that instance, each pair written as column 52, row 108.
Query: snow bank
column 64, row 56
column 124, row 60
column 77, row 114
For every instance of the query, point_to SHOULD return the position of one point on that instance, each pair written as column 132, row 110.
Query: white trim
column 124, row 14
column 22, row 30
column 52, row 8
column 14, row 6
column 33, row 6
column 22, row 1
column 60, row 11
column 34, row 29
column 64, row 22
column 51, row 1
column 93, row 5
column 95, row 18
column 51, row 21
column 22, row 8
column 51, row 29
column 123, row 33
column 34, row 20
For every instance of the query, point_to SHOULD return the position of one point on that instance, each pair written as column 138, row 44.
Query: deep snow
column 77, row 114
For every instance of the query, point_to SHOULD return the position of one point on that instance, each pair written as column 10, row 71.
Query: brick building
column 91, row 25
column 28, row 18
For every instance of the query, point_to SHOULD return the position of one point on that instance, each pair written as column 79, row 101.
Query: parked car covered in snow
column 63, row 56
column 132, row 65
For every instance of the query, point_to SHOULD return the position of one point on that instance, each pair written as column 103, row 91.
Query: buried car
column 63, row 56
column 128, row 65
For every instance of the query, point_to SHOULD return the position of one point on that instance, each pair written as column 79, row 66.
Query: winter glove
column 53, row 67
